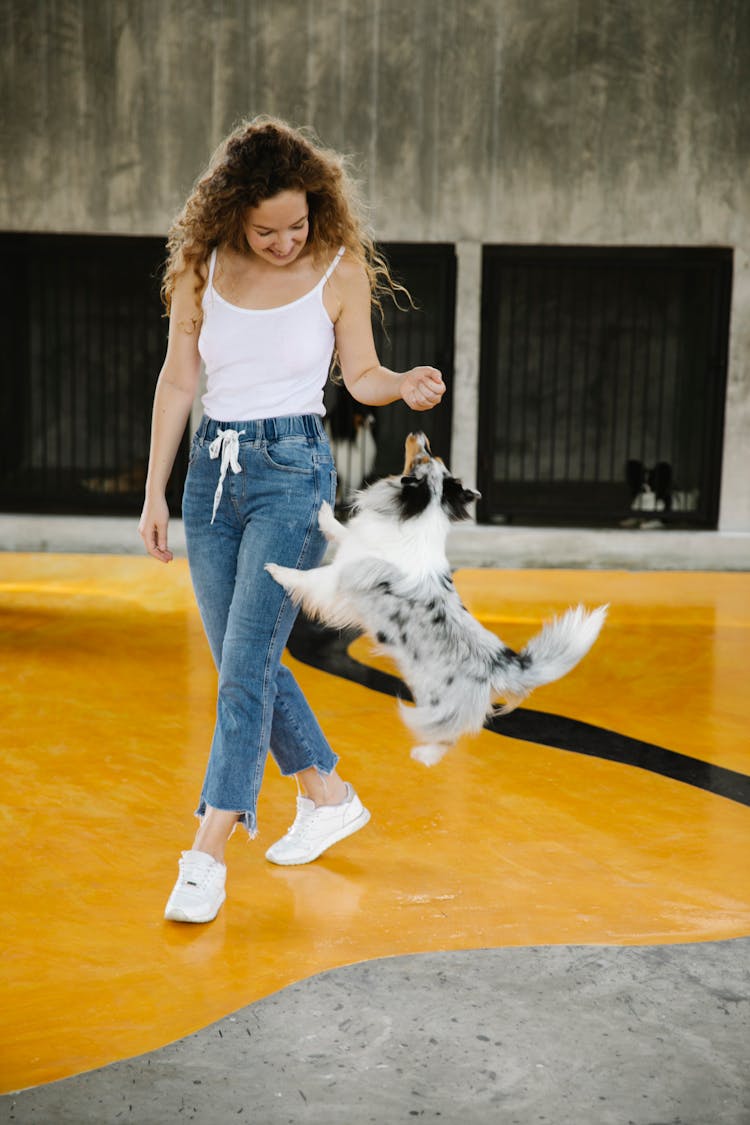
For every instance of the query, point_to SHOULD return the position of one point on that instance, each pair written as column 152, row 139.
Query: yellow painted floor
column 107, row 704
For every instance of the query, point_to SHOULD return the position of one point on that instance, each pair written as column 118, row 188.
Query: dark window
column 603, row 377
column 85, row 340
column 83, row 321
column 411, row 337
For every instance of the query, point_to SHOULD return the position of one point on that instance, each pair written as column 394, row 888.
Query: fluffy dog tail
column 548, row 656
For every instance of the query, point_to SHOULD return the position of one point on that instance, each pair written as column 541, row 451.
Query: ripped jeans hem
column 311, row 766
column 247, row 819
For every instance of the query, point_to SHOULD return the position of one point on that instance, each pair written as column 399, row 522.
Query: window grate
column 603, row 376
column 86, row 339
column 369, row 442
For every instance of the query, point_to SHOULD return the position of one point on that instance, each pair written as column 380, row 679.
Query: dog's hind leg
column 430, row 753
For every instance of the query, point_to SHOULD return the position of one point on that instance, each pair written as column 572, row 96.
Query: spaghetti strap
column 207, row 300
column 211, row 268
column 334, row 263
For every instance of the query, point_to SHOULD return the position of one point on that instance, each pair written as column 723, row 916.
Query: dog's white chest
column 416, row 547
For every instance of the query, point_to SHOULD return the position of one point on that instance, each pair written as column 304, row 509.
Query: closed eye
column 264, row 233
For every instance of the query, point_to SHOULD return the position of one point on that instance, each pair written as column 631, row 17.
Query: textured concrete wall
column 531, row 120
column 474, row 121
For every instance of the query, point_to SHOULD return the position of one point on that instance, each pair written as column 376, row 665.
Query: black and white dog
column 390, row 577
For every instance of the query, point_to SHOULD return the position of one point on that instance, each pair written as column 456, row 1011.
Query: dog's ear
column 456, row 499
column 414, row 496
column 661, row 477
column 661, row 482
column 635, row 474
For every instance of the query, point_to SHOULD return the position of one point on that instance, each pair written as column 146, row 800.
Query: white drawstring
column 226, row 443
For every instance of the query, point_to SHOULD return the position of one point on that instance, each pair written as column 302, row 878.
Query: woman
column 269, row 270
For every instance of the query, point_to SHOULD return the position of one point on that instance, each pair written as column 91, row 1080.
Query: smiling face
column 277, row 229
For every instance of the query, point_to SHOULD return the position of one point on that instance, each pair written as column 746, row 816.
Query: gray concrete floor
column 591, row 1035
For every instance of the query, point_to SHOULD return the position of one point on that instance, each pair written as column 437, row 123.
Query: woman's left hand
column 422, row 388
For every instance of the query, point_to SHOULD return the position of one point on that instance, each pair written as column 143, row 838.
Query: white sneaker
column 318, row 827
column 199, row 890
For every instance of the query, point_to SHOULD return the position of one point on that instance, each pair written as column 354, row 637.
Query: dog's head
column 426, row 480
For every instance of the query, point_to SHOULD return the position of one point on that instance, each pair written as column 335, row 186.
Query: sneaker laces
column 305, row 818
column 227, row 444
column 195, row 873
column 302, row 823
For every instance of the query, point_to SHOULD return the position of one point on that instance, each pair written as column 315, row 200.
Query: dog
column 390, row 577
column 651, row 490
column 354, row 453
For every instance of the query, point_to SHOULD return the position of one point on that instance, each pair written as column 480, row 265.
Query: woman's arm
column 365, row 378
column 175, row 391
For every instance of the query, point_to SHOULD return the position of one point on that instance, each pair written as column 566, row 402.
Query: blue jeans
column 278, row 473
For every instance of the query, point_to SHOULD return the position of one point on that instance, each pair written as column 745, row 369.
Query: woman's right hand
column 153, row 528
column 422, row 388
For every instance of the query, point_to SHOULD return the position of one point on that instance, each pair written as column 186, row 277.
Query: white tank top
column 265, row 363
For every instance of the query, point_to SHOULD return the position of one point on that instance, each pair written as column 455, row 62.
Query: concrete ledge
column 468, row 545
column 607, row 549
column 106, row 535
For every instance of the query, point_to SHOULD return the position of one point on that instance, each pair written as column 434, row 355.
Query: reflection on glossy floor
column 108, row 695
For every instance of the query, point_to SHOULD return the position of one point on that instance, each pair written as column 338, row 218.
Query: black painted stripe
column 327, row 649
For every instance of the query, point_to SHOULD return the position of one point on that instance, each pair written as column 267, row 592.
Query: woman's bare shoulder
column 193, row 273
column 347, row 286
column 350, row 277
column 350, row 269
column 186, row 312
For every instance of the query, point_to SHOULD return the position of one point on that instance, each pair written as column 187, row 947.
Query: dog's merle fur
column 390, row 577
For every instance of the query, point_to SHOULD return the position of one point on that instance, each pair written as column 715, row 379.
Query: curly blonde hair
column 259, row 159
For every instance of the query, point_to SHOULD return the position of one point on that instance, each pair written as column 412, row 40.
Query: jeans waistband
column 265, row 429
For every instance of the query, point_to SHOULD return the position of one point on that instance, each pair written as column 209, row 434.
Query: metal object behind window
column 603, row 379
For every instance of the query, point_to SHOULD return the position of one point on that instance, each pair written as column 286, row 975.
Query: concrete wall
column 473, row 121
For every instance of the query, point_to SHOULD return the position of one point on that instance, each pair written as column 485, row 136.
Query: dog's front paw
column 279, row 574
column 293, row 581
column 430, row 753
column 327, row 522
